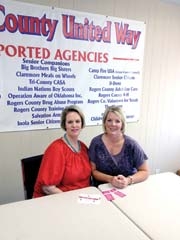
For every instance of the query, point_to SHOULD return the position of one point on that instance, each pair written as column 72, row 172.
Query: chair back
column 30, row 169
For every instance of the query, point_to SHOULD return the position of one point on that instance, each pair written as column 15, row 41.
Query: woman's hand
column 120, row 181
column 48, row 190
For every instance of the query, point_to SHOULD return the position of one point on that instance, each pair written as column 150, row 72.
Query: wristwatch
column 131, row 180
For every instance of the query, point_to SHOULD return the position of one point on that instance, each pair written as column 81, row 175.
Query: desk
column 62, row 217
column 153, row 205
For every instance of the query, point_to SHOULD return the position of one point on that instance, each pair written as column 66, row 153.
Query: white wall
column 158, row 130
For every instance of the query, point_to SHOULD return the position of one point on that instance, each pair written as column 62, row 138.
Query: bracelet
column 131, row 180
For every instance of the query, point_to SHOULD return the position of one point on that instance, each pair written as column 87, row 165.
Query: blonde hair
column 118, row 111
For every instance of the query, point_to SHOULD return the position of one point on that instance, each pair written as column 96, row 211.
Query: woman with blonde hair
column 115, row 157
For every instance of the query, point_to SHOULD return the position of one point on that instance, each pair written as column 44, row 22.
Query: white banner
column 51, row 58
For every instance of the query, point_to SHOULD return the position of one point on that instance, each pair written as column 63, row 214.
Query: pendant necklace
column 72, row 147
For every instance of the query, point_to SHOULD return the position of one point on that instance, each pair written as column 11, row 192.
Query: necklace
column 72, row 147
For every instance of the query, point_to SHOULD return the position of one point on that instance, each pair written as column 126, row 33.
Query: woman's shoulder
column 131, row 141
column 57, row 143
column 83, row 144
column 61, row 146
column 97, row 138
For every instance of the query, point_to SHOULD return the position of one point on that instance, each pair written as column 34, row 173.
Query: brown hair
column 71, row 108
